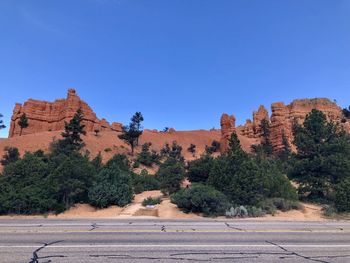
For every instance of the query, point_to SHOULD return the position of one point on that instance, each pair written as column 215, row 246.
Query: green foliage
column 322, row 160
column 24, row 187
column 120, row 161
column 133, row 131
column 199, row 169
column 346, row 112
column 151, row 201
column 11, row 155
column 74, row 129
column 215, row 147
column 147, row 157
column 265, row 148
column 97, row 162
column 113, row 186
column 246, row 180
column 170, row 174
column 271, row 205
column 239, row 211
column 200, row 199
column 23, row 122
column 72, row 178
column 174, row 151
column 145, row 182
column 2, row 126
column 342, row 196
column 192, row 149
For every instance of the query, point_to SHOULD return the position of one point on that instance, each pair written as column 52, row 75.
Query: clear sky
column 182, row 63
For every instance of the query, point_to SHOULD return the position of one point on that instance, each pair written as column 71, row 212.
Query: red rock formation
column 282, row 117
column 258, row 116
column 227, row 128
column 51, row 116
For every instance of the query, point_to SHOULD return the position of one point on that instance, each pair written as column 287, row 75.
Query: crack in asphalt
column 297, row 254
column 116, row 256
column 93, row 226
column 35, row 258
column 236, row 228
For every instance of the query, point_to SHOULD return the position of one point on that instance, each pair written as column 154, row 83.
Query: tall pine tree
column 23, row 123
column 133, row 131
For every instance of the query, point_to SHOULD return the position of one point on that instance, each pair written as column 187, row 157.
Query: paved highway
column 151, row 240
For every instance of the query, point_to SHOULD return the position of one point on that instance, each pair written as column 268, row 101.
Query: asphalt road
column 150, row 240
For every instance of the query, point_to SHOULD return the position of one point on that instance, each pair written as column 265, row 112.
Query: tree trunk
column 20, row 132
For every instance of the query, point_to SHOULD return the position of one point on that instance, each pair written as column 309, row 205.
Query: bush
column 200, row 199
column 254, row 211
column 11, row 155
column 147, row 157
column 151, row 201
column 170, row 174
column 248, row 180
column 342, row 196
column 24, row 187
column 198, row 170
column 329, row 211
column 112, row 187
column 239, row 211
column 120, row 161
column 72, row 178
column 271, row 205
column 145, row 182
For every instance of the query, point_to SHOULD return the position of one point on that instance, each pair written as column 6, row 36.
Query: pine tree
column 23, row 123
column 11, row 155
column 322, row 158
column 192, row 149
column 133, row 131
column 74, row 129
column 2, row 126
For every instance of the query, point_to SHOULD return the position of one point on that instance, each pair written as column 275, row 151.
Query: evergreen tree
column 136, row 120
column 266, row 146
column 11, row 155
column 346, row 112
column 74, row 129
column 2, row 126
column 23, row 123
column 192, row 149
column 133, row 131
column 322, row 158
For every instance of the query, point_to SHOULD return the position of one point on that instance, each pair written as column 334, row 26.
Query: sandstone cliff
column 281, row 121
column 51, row 116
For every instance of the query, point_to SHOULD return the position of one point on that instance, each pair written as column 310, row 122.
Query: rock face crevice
column 51, row 116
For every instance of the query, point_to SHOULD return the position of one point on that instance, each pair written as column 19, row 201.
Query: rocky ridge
column 51, row 116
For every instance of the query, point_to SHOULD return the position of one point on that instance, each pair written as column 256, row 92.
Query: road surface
column 151, row 240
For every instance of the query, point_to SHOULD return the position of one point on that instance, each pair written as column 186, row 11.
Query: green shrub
column 198, row 170
column 329, row 211
column 248, row 180
column 342, row 196
column 151, row 201
column 145, row 182
column 147, row 157
column 254, row 211
column 24, row 187
column 112, row 187
column 239, row 211
column 170, row 174
column 201, row 199
column 271, row 205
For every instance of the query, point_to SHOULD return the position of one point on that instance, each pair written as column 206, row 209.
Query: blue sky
column 182, row 63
